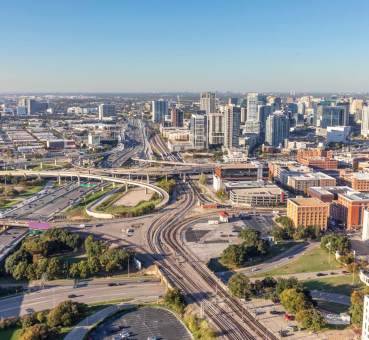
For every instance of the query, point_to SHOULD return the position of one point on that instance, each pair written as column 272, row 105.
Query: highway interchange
column 161, row 242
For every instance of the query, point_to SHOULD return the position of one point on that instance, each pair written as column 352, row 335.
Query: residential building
column 365, row 122
column 106, row 110
column 232, row 118
column 207, row 102
column 199, row 136
column 252, row 106
column 307, row 212
column 360, row 181
column 177, row 116
column 277, row 129
column 159, row 110
column 216, row 128
column 301, row 182
column 365, row 232
column 317, row 158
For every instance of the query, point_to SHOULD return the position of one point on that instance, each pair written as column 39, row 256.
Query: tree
column 239, row 286
column 28, row 320
column 54, row 268
column 356, row 308
column 233, row 256
column 174, row 298
column 310, row 319
column 293, row 300
column 336, row 242
column 38, row 332
column 251, row 239
column 66, row 314
column 284, row 221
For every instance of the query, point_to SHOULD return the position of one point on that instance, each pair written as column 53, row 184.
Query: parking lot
column 209, row 240
column 140, row 324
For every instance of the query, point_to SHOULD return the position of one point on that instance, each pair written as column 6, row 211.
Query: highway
column 184, row 270
column 90, row 293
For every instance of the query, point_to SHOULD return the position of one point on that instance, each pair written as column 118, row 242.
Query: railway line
column 182, row 268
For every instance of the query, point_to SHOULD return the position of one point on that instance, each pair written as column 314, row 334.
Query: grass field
column 314, row 260
column 335, row 284
column 10, row 334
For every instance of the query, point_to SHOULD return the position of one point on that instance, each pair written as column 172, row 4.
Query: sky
column 184, row 45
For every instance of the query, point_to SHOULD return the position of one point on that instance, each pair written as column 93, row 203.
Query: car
column 153, row 337
column 321, row 274
column 111, row 284
column 70, row 296
column 289, row 317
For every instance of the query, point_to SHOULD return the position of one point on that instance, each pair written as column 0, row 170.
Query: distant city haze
column 192, row 45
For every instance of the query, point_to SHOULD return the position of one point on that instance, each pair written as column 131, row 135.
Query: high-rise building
column 106, row 110
column 176, row 116
column 232, row 120
column 252, row 106
column 30, row 106
column 356, row 108
column 207, row 102
column 199, row 135
column 159, row 110
column 243, row 115
column 216, row 128
column 330, row 116
column 233, row 101
column 264, row 111
column 277, row 129
column 365, row 122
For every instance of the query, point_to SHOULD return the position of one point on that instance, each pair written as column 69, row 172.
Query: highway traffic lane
column 49, row 298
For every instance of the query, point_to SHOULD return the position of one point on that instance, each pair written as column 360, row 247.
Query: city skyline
column 175, row 47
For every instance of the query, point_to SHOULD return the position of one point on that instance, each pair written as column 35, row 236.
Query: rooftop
column 331, row 190
column 355, row 196
column 360, row 175
column 307, row 202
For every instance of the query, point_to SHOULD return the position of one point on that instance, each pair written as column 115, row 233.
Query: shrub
column 66, row 314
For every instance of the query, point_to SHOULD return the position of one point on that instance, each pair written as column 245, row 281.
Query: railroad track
column 164, row 238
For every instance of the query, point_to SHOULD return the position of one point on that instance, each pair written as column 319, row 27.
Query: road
column 165, row 241
column 91, row 293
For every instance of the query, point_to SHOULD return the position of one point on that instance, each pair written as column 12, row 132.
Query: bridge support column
column 41, row 165
column 79, row 180
column 59, row 180
column 55, row 161
column 25, row 166
column 166, row 177
column 147, row 179
column 129, row 177
column 126, row 187
column 113, row 185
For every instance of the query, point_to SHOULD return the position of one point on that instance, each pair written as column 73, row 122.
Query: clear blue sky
column 184, row 45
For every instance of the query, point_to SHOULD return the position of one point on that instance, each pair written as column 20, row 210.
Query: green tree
column 54, row 268
column 310, row 319
column 293, row 300
column 66, row 314
column 239, row 286
column 28, row 320
column 174, row 299
column 284, row 221
column 233, row 256
column 336, row 242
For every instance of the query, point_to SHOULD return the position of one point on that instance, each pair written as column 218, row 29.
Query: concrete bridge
column 77, row 175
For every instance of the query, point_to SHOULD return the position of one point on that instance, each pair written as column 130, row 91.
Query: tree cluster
column 45, row 325
column 199, row 327
column 357, row 306
column 100, row 258
column 252, row 246
column 336, row 242
column 288, row 232
column 167, row 185
column 289, row 292
column 34, row 258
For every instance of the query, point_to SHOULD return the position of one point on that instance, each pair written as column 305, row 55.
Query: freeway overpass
column 78, row 174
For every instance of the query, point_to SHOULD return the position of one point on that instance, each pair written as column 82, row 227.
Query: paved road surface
column 50, row 297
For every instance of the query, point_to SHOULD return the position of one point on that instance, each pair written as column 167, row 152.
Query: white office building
column 277, row 129
column 199, row 135
column 252, row 106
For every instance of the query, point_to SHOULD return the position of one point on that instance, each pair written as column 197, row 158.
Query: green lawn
column 335, row 284
column 10, row 334
column 315, row 260
column 8, row 203
column 31, row 190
